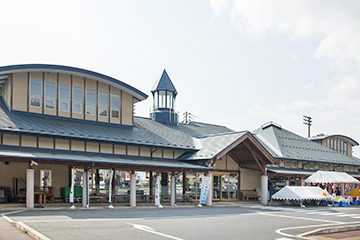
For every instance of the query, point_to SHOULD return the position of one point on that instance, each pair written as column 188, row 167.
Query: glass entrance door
column 225, row 186
column 217, row 187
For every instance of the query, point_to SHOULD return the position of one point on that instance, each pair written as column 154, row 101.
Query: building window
column 35, row 92
column 321, row 166
column 78, row 98
column 103, row 103
column 64, row 97
column 162, row 99
column 45, row 178
column 90, row 102
column 115, row 105
column 305, row 166
column 327, row 167
column 50, row 95
column 169, row 101
column 345, row 149
column 311, row 165
column 156, row 100
column 287, row 164
column 294, row 164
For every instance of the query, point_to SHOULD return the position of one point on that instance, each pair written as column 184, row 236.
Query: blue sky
column 234, row 63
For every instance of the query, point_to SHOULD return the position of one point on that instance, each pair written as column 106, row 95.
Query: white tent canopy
column 299, row 193
column 331, row 177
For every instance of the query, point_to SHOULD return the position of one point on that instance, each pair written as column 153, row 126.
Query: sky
column 234, row 63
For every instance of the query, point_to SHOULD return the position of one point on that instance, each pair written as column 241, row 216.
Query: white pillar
column 211, row 190
column 287, row 182
column 173, row 191
column 30, row 188
column 85, row 195
column 264, row 189
column 132, row 190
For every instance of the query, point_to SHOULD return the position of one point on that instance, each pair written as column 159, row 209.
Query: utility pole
column 307, row 121
column 187, row 117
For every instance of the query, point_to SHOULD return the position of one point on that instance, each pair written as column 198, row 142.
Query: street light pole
column 307, row 121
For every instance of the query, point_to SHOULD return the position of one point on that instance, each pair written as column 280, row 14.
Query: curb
column 328, row 230
column 31, row 232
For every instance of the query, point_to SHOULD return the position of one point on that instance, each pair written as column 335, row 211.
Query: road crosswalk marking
column 310, row 212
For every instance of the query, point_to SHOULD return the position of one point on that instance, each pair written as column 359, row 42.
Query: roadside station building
column 299, row 157
column 59, row 123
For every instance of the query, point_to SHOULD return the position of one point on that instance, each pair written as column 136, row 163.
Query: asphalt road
column 235, row 222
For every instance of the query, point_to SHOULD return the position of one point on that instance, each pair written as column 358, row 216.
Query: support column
column 132, row 189
column 85, row 190
column 287, row 182
column 173, row 190
column 151, row 183
column 211, row 190
column 342, row 190
column 264, row 189
column 184, row 186
column 30, row 188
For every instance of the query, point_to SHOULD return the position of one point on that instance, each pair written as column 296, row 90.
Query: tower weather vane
column 307, row 121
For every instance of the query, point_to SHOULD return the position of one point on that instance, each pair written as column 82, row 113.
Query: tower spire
column 164, row 95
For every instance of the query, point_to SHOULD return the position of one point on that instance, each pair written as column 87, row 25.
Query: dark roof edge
column 352, row 141
column 66, row 69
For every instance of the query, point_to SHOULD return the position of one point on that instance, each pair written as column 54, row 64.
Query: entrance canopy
column 299, row 193
column 331, row 177
column 98, row 160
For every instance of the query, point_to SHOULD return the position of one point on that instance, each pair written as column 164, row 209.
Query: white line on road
column 329, row 214
column 150, row 230
column 301, row 218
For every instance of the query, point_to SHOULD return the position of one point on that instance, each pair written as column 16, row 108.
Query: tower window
column 78, row 98
column 103, row 103
column 50, row 95
column 64, row 97
column 90, row 102
column 35, row 92
column 115, row 105
column 162, row 99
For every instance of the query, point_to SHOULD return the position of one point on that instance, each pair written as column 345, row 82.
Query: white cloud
column 337, row 23
column 218, row 5
column 294, row 57
column 309, row 86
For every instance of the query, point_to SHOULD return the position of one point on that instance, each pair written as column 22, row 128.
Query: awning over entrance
column 98, row 159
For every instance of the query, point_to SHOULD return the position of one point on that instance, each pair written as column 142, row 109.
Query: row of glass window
column 337, row 145
column 294, row 164
column 77, row 99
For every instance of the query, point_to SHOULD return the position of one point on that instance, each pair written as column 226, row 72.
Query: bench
column 121, row 198
column 139, row 194
column 249, row 194
column 99, row 198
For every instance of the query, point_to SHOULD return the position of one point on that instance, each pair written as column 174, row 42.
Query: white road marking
column 347, row 215
column 301, row 218
column 150, row 230
column 329, row 214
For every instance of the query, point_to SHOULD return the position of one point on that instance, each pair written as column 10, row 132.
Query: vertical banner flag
column 157, row 191
column 204, row 188
column 72, row 186
column 110, row 185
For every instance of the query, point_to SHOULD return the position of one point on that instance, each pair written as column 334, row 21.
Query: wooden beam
column 256, row 159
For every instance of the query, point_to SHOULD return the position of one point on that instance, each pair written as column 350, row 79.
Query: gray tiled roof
column 283, row 144
column 145, row 132
column 212, row 145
